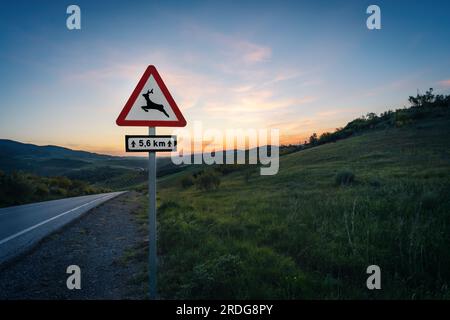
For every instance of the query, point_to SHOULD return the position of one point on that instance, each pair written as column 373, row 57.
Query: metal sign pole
column 152, row 260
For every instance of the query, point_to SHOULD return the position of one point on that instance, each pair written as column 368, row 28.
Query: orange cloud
column 252, row 53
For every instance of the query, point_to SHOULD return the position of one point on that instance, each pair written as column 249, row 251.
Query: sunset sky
column 298, row 66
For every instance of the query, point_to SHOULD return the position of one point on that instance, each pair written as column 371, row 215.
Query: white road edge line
column 3, row 241
column 36, row 205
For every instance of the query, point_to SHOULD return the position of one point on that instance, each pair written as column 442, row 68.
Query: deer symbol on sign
column 151, row 104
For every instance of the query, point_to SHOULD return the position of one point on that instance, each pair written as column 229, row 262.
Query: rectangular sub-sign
column 150, row 143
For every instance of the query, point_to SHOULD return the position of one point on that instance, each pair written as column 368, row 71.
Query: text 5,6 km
column 150, row 143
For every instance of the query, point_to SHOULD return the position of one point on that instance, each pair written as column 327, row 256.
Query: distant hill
column 14, row 148
column 45, row 160
column 96, row 169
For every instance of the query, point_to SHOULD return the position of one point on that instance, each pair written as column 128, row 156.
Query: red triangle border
column 151, row 70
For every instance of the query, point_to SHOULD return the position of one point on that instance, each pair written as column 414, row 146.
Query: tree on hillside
column 326, row 137
column 422, row 100
column 313, row 139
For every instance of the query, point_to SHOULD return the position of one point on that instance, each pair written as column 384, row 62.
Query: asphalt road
column 23, row 226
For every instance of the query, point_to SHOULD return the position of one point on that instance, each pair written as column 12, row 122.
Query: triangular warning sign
column 150, row 104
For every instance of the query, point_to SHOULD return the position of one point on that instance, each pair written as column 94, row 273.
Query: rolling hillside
column 304, row 233
column 100, row 170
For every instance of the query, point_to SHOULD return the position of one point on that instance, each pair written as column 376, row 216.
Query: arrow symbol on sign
column 169, row 143
column 133, row 144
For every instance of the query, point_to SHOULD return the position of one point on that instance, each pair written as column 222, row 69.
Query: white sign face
column 151, row 104
column 150, row 143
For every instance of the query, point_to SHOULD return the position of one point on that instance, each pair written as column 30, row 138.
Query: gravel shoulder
column 99, row 243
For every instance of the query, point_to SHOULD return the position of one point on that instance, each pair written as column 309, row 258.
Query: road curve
column 23, row 226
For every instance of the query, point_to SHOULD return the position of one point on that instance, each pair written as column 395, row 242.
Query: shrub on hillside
column 187, row 181
column 198, row 173
column 20, row 188
column 345, row 177
column 208, row 181
column 42, row 190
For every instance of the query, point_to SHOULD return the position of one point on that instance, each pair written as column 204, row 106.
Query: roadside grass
column 299, row 235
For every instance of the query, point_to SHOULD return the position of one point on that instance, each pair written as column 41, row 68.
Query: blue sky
column 300, row 66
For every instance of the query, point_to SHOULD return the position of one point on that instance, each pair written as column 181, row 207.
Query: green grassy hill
column 302, row 234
